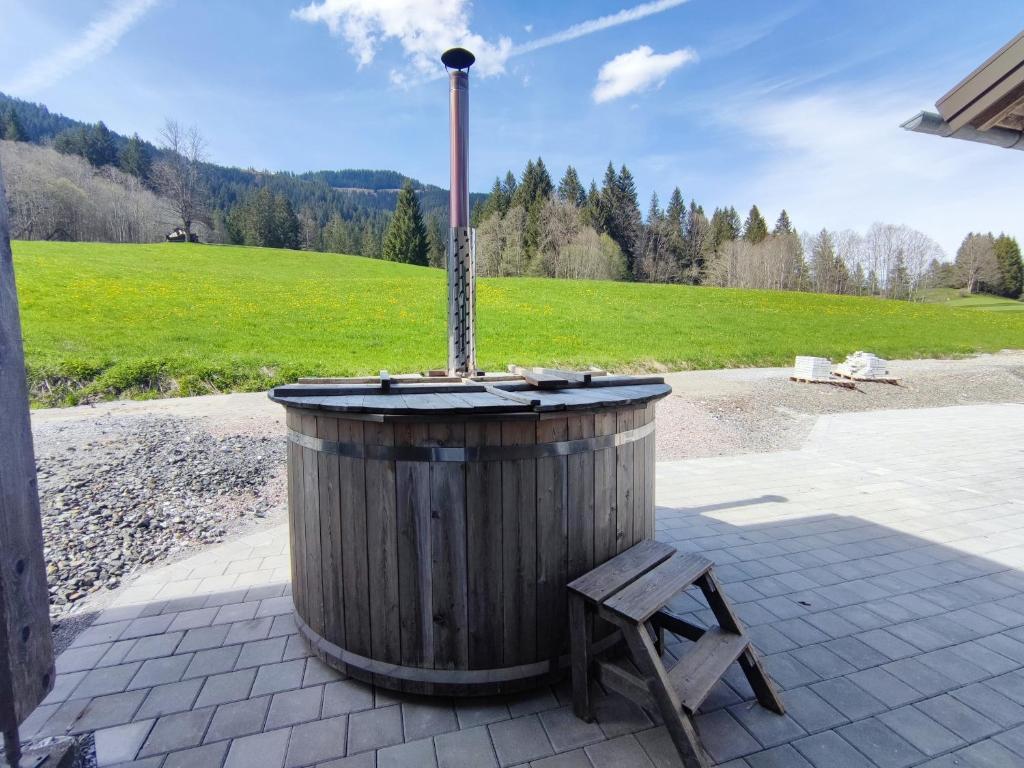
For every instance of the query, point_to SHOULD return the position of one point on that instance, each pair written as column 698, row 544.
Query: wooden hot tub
column 434, row 526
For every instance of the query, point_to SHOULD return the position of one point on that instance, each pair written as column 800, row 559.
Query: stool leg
column 580, row 645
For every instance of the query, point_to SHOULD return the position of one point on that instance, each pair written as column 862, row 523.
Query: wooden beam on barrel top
column 26, row 645
column 540, row 380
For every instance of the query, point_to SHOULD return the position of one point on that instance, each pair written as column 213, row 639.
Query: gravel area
column 127, row 484
column 120, row 492
column 721, row 413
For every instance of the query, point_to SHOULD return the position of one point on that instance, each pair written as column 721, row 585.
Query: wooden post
column 26, row 646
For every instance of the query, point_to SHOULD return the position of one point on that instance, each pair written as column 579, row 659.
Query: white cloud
column 426, row 28
column 639, row 70
column 99, row 38
column 838, row 159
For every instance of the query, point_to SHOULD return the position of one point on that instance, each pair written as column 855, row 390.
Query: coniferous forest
column 68, row 180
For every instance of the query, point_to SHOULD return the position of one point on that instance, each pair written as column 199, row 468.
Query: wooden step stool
column 631, row 591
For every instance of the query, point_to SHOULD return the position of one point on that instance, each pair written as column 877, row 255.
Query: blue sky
column 786, row 103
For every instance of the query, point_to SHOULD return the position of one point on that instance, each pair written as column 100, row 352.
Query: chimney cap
column 457, row 58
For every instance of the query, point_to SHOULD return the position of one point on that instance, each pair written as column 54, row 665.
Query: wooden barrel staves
column 434, row 528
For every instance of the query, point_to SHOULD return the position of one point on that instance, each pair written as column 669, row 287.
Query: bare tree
column 976, row 261
column 178, row 175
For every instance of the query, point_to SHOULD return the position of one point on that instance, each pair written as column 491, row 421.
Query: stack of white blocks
column 863, row 365
column 808, row 367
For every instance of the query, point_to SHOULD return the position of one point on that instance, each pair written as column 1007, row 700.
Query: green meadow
column 104, row 321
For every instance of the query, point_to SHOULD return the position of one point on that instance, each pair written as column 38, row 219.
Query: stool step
column 696, row 673
column 649, row 593
column 608, row 578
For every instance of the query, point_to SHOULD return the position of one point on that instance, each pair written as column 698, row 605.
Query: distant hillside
column 356, row 195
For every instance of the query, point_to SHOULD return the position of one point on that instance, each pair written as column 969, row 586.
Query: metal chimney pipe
column 461, row 237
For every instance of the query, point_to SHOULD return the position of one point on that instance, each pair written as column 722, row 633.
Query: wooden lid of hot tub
column 523, row 391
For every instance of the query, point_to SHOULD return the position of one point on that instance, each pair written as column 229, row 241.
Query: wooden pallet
column 631, row 591
column 876, row 379
column 834, row 382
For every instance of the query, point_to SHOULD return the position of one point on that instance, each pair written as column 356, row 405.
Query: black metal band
column 472, row 452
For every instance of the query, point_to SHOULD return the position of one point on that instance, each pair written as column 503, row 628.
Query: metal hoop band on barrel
column 470, row 453
column 401, row 676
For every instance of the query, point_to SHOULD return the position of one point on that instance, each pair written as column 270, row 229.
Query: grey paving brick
column 812, row 712
column 100, row 682
column 618, row 715
column 800, row 631
column 1013, row 740
column 346, row 696
column 207, row 756
column 63, row 718
column 101, row 633
column 272, row 678
column 79, row 659
column 769, row 728
column 213, row 661
column 920, row 677
column 474, row 712
column 295, row 648
column 623, row 752
column 958, row 718
column 519, row 740
column 231, row 686
column 375, row 728
column 659, row 747
column 239, row 718
column 1004, row 645
column 531, row 702
column 317, row 741
column 246, row 631
column 883, row 686
column 724, row 738
column 953, row 666
column 884, row 747
column 778, row 757
column 266, row 750
column 239, row 611
column 823, row 662
column 293, row 707
column 168, row 669
column 198, row 617
column 120, row 743
column 575, row 759
column 428, row 718
column 829, row 750
column 415, row 754
column 170, row 698
column 470, row 748
column 921, row 731
column 115, row 653
column 888, row 644
column 1010, row 685
column 154, row 646
column 981, row 656
column 363, row 760
column 151, row 625
column 259, row 652
column 566, row 731
column 788, row 672
column 989, row 702
column 318, row 673
column 179, row 731
column 108, row 711
column 988, row 754
column 832, row 624
column 203, row 638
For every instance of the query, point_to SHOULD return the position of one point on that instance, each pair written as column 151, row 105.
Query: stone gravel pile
column 120, row 493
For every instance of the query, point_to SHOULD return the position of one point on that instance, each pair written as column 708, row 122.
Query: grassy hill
column 172, row 319
column 952, row 297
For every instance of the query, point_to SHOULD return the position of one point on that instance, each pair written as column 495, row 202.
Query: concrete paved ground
column 880, row 570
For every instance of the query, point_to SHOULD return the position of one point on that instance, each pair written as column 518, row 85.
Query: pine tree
column 755, row 229
column 509, row 186
column 11, row 128
column 436, row 248
column 136, row 158
column 1011, row 270
column 406, row 238
column 675, row 226
column 570, row 190
column 592, row 213
column 99, row 146
column 695, row 237
column 625, row 224
column 783, row 226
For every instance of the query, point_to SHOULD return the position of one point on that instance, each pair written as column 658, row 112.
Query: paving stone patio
column 880, row 570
